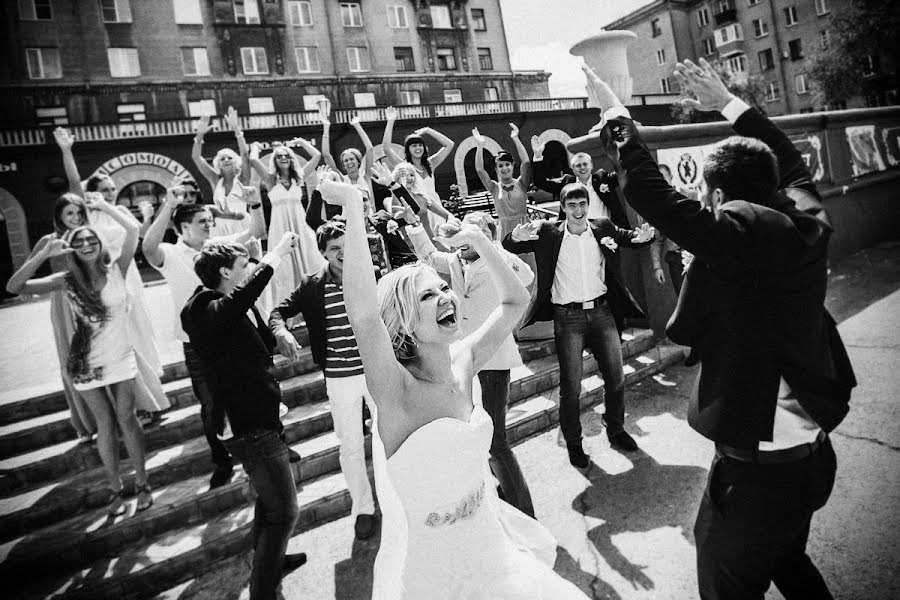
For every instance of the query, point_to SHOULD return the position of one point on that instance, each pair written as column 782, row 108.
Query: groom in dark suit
column 580, row 287
column 775, row 377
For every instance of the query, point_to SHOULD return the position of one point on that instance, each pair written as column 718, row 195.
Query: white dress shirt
column 596, row 208
column 580, row 270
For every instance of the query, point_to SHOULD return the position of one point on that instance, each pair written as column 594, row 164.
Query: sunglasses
column 79, row 242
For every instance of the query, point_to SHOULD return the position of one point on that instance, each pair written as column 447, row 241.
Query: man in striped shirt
column 320, row 297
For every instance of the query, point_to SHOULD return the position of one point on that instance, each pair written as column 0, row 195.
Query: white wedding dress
column 445, row 534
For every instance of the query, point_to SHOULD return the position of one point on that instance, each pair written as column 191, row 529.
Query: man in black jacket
column 775, row 377
column 235, row 346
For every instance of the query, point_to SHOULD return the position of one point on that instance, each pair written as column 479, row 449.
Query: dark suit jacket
column 752, row 303
column 308, row 298
column 546, row 254
column 600, row 177
column 236, row 352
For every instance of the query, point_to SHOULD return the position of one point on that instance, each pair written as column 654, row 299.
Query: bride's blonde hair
column 399, row 307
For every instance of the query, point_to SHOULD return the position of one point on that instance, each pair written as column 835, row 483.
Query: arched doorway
column 473, row 182
column 14, row 244
column 460, row 159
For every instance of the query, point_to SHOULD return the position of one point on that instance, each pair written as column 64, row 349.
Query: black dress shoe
column 293, row 562
column 220, row 477
column 293, row 456
column 623, row 441
column 364, row 527
column 578, row 458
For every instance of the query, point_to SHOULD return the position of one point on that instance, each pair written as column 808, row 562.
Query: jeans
column 504, row 466
column 574, row 329
column 346, row 395
column 753, row 525
column 265, row 459
column 213, row 417
column 676, row 269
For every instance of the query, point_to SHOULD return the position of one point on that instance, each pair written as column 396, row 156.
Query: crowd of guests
column 412, row 315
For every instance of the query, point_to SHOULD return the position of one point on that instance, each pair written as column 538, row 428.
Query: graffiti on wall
column 865, row 153
column 685, row 164
column 811, row 146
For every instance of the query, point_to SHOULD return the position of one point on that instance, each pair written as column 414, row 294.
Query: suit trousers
column 346, row 395
column 753, row 524
column 504, row 466
column 575, row 329
column 676, row 269
column 213, row 417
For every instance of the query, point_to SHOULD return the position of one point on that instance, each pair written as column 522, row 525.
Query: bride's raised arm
column 482, row 343
column 385, row 377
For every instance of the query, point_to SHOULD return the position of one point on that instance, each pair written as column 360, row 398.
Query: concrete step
column 135, row 563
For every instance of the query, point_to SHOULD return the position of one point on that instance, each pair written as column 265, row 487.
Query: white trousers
column 346, row 395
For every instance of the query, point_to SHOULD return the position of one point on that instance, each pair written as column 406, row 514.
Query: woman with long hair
column 354, row 165
column 415, row 152
column 101, row 360
column 149, row 393
column 450, row 535
column 510, row 194
column 227, row 176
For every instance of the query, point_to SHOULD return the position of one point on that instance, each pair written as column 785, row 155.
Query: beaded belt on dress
column 466, row 507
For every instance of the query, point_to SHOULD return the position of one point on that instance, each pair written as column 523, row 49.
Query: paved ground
column 625, row 527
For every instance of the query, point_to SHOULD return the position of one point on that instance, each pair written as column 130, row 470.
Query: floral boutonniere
column 609, row 243
column 604, row 188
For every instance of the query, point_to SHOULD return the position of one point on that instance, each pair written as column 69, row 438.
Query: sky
column 533, row 45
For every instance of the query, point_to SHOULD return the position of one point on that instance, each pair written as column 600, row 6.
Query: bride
column 445, row 533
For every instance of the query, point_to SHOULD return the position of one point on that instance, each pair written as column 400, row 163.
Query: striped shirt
column 341, row 352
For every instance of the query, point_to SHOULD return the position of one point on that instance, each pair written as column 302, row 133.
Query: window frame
column 438, row 9
column 250, row 104
column 393, row 13
column 122, row 8
column 655, row 29
column 359, row 52
column 298, row 5
column 799, row 46
column 798, row 78
column 664, row 86
column 39, row 52
column 458, row 93
column 308, row 52
column 244, row 3
column 661, row 57
column 34, row 10
column 825, row 10
column 476, row 20
column 202, row 102
column 366, row 103
column 194, row 50
column 703, row 16
column 135, row 116
column 50, row 120
column 496, row 94
column 711, row 42
column 438, row 56
column 770, row 64
column 316, row 98
column 418, row 97
column 196, row 12
column 411, row 56
column 791, row 16
column 772, row 92
column 760, row 28
column 133, row 52
column 482, row 54
column 740, row 60
column 255, row 56
column 354, row 9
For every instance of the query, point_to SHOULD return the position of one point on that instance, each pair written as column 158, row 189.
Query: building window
column 199, row 108
column 397, row 16
column 446, row 59
column 440, row 16
column 196, row 61
column 129, row 113
column 307, row 59
column 54, row 115
column 664, row 86
column 772, row 92
column 35, row 10
column 485, row 61
column 301, row 13
column 311, row 101
column 731, row 33
column 796, row 49
column 358, row 57
column 703, row 17
column 404, row 58
column 478, row 22
column 800, row 83
column 43, row 63
column 123, row 62
column 261, row 105
column 187, row 12
column 754, row 2
column 655, row 28
column 351, row 15
column 766, row 60
column 824, row 38
column 821, row 7
column 452, row 96
column 491, row 94
column 410, row 97
column 760, row 28
column 116, row 11
column 255, row 61
column 364, row 99
column 709, row 46
column 246, row 12
column 660, row 57
column 790, row 15
column 736, row 64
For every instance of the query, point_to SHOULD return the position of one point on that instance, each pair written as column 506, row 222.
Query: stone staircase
column 57, row 541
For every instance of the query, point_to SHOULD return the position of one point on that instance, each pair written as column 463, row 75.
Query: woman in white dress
column 446, row 533
column 101, row 361
column 284, row 182
column 355, row 165
column 227, row 175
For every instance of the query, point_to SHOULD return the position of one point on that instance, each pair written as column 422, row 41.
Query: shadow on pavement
column 353, row 575
column 862, row 279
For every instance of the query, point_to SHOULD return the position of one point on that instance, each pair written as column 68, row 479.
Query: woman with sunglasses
column 101, row 361
column 284, row 182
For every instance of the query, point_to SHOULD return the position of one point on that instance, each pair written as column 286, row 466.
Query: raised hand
column 466, row 234
column 479, row 139
column 57, row 247
column 231, row 117
column 537, row 146
column 254, row 248
column 95, row 201
column 381, row 174
column 391, row 113
column 324, row 110
column 286, row 244
column 514, row 131
column 325, row 173
column 421, row 131
column 525, row 232
column 255, row 149
column 644, row 233
column 600, row 95
column 64, row 138
column 146, row 209
column 203, row 126
column 175, row 195
column 339, row 193
column 704, row 83
column 249, row 193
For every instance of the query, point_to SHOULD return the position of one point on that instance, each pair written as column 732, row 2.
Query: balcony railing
column 178, row 127
column 725, row 17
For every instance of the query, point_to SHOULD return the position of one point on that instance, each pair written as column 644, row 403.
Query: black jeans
column 574, row 329
column 265, row 459
column 753, row 524
column 676, row 269
column 213, row 417
column 504, row 466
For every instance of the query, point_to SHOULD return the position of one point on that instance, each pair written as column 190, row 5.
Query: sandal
column 145, row 494
column 117, row 506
